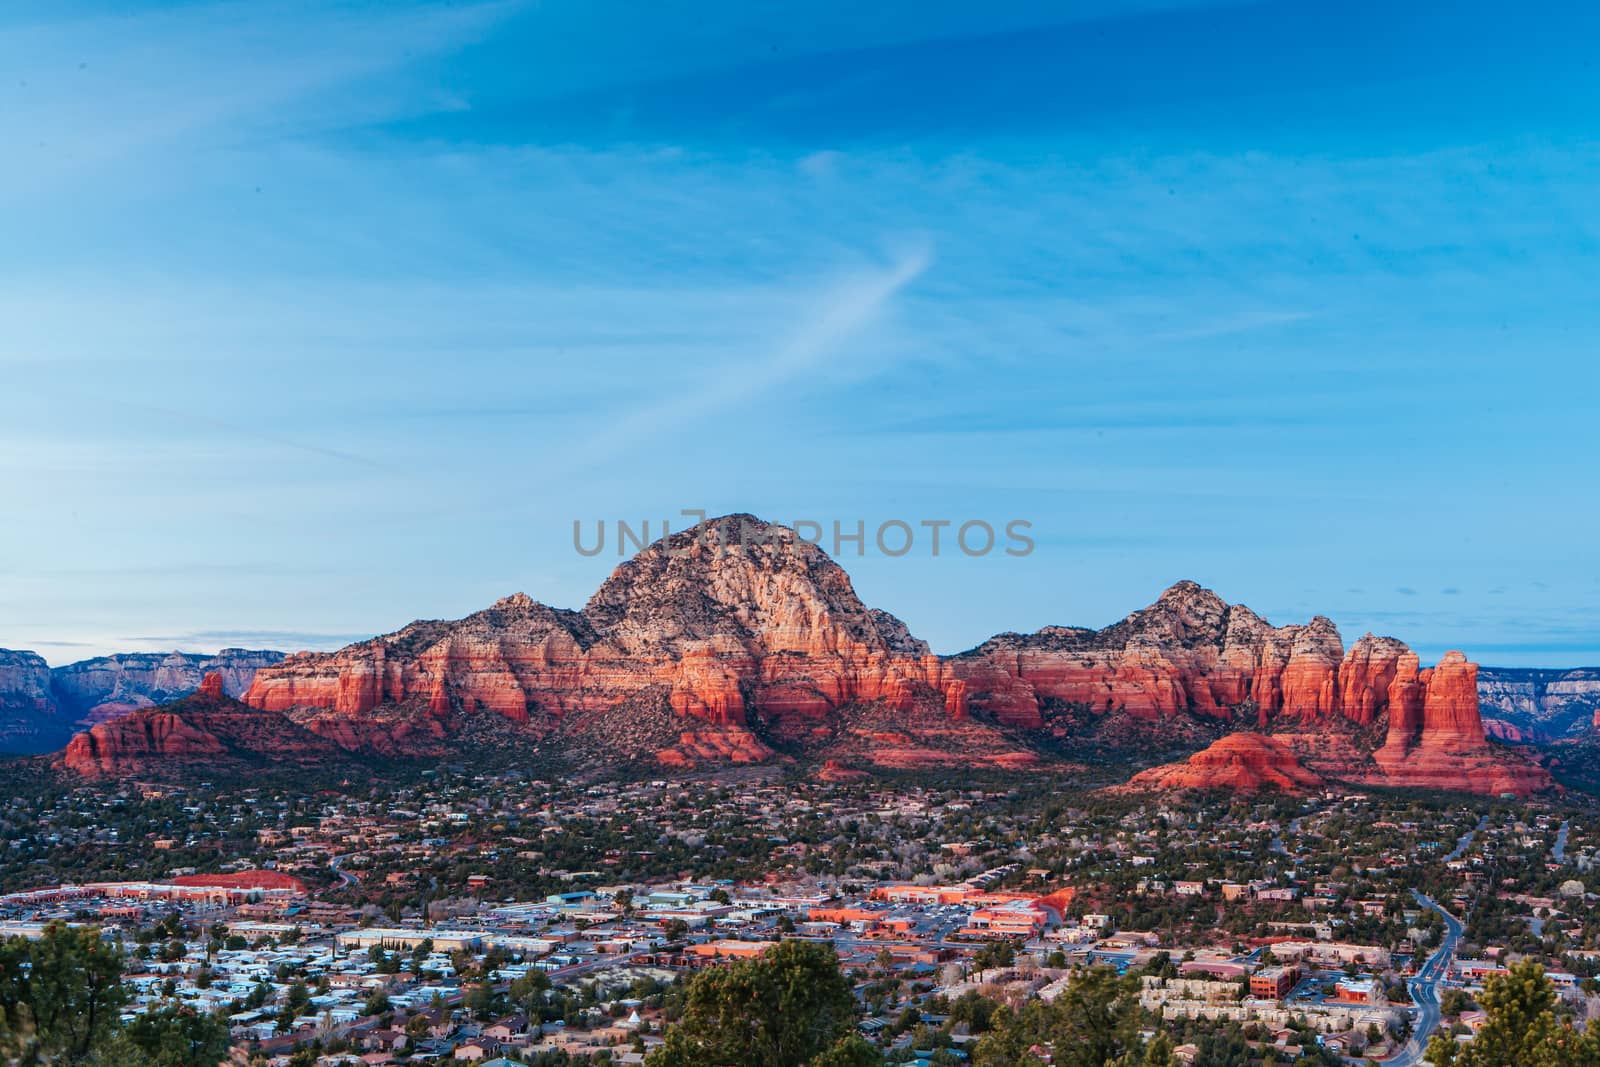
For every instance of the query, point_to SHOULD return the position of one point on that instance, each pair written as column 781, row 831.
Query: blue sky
column 318, row 318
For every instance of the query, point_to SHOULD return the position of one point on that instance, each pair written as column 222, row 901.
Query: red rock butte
column 737, row 642
column 1244, row 763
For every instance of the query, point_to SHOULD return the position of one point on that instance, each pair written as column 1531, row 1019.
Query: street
column 1424, row 988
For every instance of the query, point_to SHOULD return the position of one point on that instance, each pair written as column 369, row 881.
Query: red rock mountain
column 206, row 731
column 41, row 706
column 737, row 642
column 740, row 633
column 1189, row 652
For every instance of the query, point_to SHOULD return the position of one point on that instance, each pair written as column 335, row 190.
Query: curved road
column 1424, row 988
column 1465, row 841
column 346, row 879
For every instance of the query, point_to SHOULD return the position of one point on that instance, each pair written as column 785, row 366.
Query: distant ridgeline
column 712, row 647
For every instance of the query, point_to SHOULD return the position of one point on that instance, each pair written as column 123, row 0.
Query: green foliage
column 849, row 1051
column 377, row 1003
column 171, row 1037
column 995, row 954
column 60, row 1001
column 60, row 994
column 1093, row 1023
column 1521, row 1028
column 791, row 1007
column 975, row 1010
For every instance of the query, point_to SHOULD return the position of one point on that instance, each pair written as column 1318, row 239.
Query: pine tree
column 790, row 1007
column 1521, row 1028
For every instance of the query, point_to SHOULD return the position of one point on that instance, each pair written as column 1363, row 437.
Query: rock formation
column 1366, row 675
column 1445, row 747
column 741, row 624
column 1243, row 762
column 206, row 731
column 1193, row 654
column 28, row 714
column 1541, row 705
column 1505, row 732
column 40, row 706
column 737, row 642
column 1188, row 652
column 96, row 690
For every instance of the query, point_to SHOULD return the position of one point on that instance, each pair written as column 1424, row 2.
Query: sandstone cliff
column 736, row 642
column 740, row 625
column 1188, row 652
column 206, row 731
column 1193, row 654
column 97, row 690
column 28, row 716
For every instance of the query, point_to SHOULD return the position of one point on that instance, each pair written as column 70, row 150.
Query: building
column 730, row 949
column 1274, row 983
column 1360, row 991
column 443, row 940
column 1017, row 918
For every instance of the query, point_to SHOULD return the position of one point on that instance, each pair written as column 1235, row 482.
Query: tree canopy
column 1093, row 1023
column 1520, row 1028
column 61, row 997
column 790, row 1007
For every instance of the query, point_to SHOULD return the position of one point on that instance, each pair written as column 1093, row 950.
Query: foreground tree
column 790, row 1007
column 170, row 1037
column 1093, row 1023
column 1521, row 1028
column 60, row 1001
column 59, row 994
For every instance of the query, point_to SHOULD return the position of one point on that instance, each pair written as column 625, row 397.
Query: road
column 1424, row 988
column 1465, row 841
column 346, row 879
column 1559, row 853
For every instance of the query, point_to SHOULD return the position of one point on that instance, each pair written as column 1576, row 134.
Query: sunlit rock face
column 742, row 624
column 207, row 731
column 1244, row 762
column 736, row 642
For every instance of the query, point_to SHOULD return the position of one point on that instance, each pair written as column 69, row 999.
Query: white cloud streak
column 844, row 310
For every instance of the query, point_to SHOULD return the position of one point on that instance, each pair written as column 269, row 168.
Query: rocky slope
column 736, row 642
column 1190, row 652
column 28, row 718
column 1193, row 654
column 41, row 706
column 206, row 731
column 1537, row 706
column 750, row 637
column 92, row 691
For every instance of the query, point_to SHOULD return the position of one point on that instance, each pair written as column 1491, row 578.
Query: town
column 497, row 919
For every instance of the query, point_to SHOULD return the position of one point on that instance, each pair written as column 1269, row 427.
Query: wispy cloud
column 89, row 92
column 828, row 323
column 371, row 290
column 236, row 428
